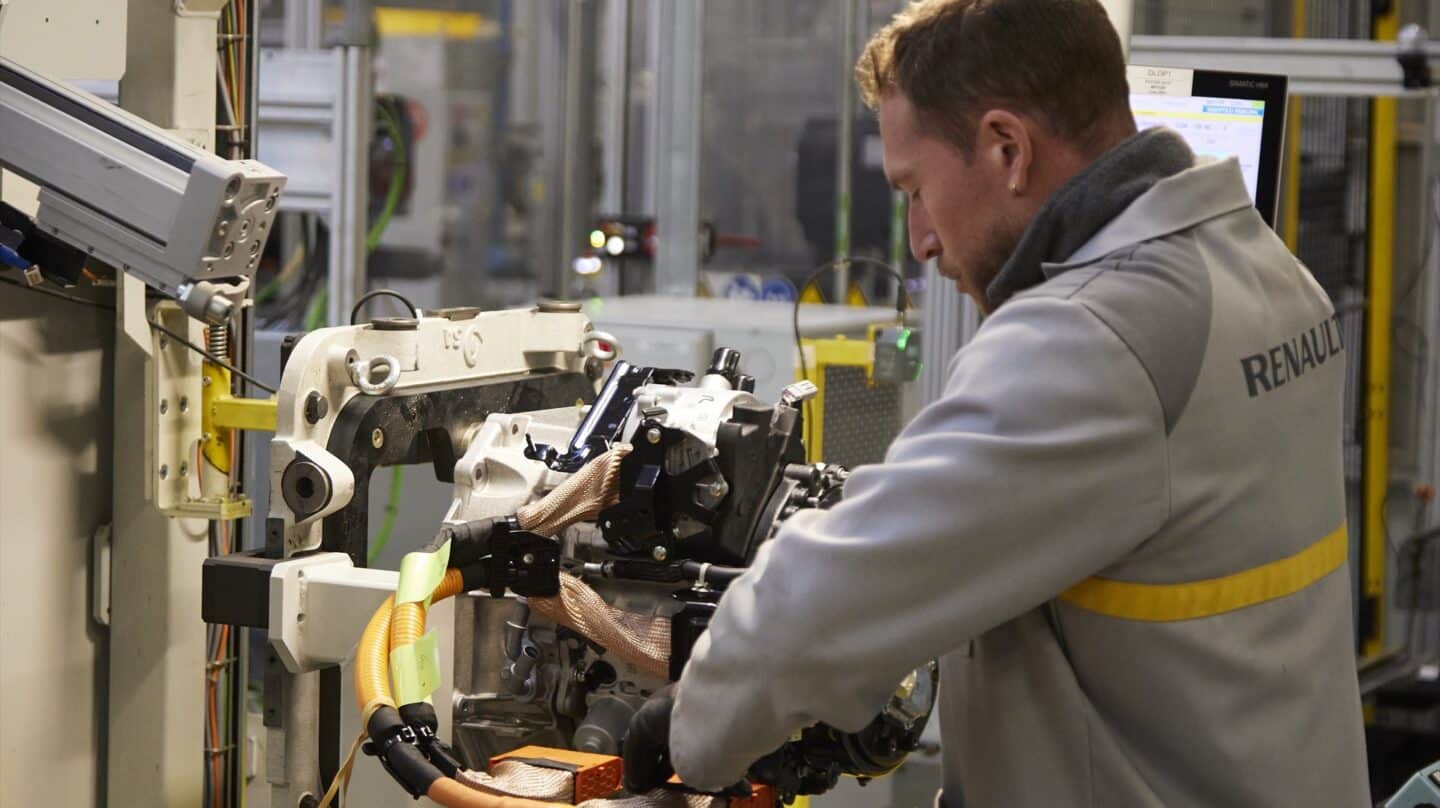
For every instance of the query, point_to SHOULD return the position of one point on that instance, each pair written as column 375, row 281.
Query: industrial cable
column 387, row 525
column 314, row 314
column 375, row 293
column 903, row 301
column 79, row 301
column 213, row 358
column 162, row 329
column 397, row 179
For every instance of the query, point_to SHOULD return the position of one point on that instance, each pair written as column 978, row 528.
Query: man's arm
column 1044, row 462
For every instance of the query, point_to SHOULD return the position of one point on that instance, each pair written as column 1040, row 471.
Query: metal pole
column 616, row 115
column 844, row 152
column 577, row 195
column 304, row 24
column 677, row 265
column 1379, row 293
column 650, row 183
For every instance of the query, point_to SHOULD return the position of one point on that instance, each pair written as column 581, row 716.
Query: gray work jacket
column 1121, row 529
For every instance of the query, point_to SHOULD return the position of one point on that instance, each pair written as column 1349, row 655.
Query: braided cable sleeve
column 587, row 492
column 642, row 641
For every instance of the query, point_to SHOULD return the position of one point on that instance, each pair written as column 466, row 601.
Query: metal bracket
column 200, row 8
column 319, row 605
column 100, row 569
column 175, row 403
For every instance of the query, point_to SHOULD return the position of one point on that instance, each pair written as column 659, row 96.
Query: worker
column 1121, row 528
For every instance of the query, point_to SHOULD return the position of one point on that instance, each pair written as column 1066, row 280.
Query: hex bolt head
column 652, row 434
column 660, row 553
column 316, row 407
column 528, row 559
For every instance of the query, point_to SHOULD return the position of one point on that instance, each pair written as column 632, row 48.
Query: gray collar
column 1087, row 203
column 1179, row 202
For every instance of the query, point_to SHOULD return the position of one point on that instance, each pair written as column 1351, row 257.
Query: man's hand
column 647, row 743
column 647, row 747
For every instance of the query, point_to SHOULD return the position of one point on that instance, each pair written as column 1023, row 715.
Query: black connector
column 397, row 747
column 469, row 541
column 522, row 562
column 419, row 715
column 437, row 752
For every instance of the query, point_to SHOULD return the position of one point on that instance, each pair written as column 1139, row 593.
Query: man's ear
column 1003, row 139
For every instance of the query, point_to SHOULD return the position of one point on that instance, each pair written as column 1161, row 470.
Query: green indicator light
column 903, row 340
column 597, row 239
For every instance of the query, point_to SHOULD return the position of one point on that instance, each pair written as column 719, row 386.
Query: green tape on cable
column 415, row 670
column 420, row 573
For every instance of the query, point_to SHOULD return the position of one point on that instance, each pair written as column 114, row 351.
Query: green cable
column 372, row 241
column 315, row 314
column 392, row 509
column 268, row 290
column 397, row 181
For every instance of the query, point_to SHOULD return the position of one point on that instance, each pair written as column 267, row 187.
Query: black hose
column 369, row 296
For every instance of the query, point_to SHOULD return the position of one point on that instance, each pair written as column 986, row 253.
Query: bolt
column 659, row 553
column 223, row 229
column 528, row 559
column 164, row 471
column 164, row 406
column 652, row 435
column 377, row 437
column 204, row 380
column 316, row 406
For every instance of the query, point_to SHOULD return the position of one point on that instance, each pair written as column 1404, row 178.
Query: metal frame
column 316, row 108
column 153, row 204
column 677, row 176
column 1329, row 67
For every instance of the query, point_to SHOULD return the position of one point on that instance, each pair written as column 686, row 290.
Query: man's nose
column 924, row 243
column 927, row 247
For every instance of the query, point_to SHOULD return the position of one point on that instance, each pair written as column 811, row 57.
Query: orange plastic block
column 596, row 776
column 761, row 796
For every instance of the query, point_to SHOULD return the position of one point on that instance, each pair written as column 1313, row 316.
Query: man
column 1122, row 527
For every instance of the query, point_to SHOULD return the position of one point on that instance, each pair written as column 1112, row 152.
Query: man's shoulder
column 1156, row 297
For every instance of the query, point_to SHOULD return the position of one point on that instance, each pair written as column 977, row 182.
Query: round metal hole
column 232, row 189
column 164, row 406
column 184, row 404
column 164, row 471
column 184, row 469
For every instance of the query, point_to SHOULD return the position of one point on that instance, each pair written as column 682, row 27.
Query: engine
column 696, row 474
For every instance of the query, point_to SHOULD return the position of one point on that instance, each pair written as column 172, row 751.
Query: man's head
column 986, row 107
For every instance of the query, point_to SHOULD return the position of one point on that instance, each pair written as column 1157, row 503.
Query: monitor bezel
column 1273, row 90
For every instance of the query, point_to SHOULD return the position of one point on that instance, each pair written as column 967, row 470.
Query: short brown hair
column 1058, row 61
